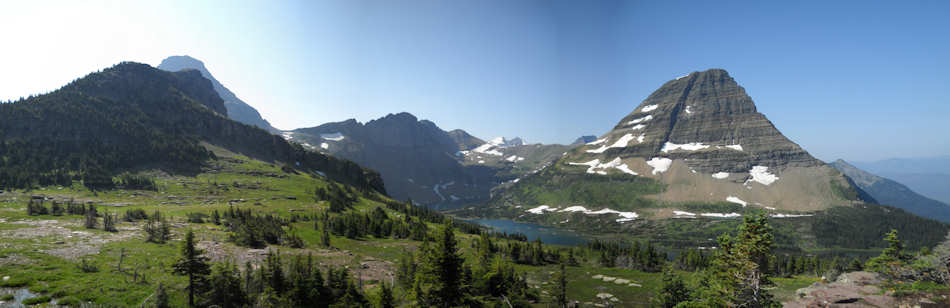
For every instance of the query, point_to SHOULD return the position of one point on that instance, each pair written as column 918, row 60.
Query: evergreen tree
column 738, row 274
column 161, row 297
column 193, row 264
column 225, row 287
column 91, row 222
column 386, row 299
column 673, row 292
column 891, row 259
column 560, row 288
column 440, row 278
column 325, row 235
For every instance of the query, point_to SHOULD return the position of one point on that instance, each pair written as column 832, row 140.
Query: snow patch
column 660, row 164
column 688, row 111
column 649, row 108
column 488, row 149
column 641, row 120
column 735, row 147
column 692, row 146
column 681, row 77
column 789, row 215
column 481, row 162
column 683, row 213
column 720, row 215
column 541, row 209
column 624, row 216
column 622, row 142
column 332, row 137
column 639, row 126
column 596, row 142
column 287, row 135
column 640, row 138
column 761, row 174
column 595, row 164
column 736, row 200
column 325, row 146
column 720, row 175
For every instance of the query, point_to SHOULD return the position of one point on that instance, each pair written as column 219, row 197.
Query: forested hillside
column 133, row 116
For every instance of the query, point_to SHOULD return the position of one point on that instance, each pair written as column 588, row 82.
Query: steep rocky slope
column 237, row 109
column 889, row 192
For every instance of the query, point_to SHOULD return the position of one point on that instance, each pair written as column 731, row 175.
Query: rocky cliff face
column 237, row 109
column 707, row 120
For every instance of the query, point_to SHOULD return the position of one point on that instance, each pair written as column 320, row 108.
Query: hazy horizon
column 862, row 82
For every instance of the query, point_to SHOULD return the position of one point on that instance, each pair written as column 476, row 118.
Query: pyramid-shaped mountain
column 698, row 138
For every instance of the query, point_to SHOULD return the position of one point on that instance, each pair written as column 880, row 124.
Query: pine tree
column 91, row 222
column 737, row 276
column 161, row 297
column 440, row 278
column 108, row 222
column 560, row 285
column 386, row 299
column 225, row 287
column 193, row 264
column 325, row 235
column 673, row 292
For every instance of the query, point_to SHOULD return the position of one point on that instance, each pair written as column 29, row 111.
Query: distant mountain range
column 927, row 176
column 889, row 192
column 237, row 109
column 422, row 162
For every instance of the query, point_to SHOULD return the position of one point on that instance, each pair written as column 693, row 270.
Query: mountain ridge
column 237, row 109
column 890, row 192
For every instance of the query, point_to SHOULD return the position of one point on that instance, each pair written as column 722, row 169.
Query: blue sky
column 853, row 80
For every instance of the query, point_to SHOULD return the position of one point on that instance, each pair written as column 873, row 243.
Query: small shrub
column 14, row 283
column 37, row 300
column 6, row 297
column 197, row 218
column 87, row 267
column 69, row 302
column 134, row 215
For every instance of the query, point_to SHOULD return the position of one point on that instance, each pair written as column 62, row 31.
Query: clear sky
column 855, row 80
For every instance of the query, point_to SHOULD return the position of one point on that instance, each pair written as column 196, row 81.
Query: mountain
column 697, row 148
column 132, row 116
column 422, row 162
column 889, row 192
column 929, row 176
column 464, row 140
column 584, row 139
column 701, row 137
column 237, row 109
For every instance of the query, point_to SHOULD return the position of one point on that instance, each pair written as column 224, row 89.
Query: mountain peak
column 236, row 108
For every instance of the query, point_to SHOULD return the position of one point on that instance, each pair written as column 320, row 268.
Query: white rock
column 720, row 175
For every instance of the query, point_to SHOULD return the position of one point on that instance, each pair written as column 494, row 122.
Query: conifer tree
column 193, row 264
